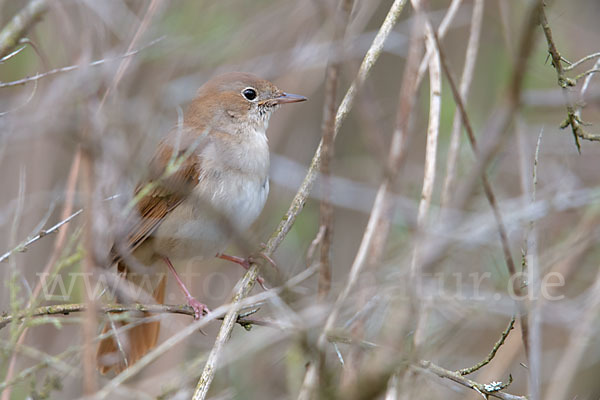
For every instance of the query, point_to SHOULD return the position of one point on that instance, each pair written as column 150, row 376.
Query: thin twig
column 492, row 354
column 578, row 63
column 586, row 73
column 70, row 68
column 584, row 88
column 23, row 246
column 11, row 55
column 465, row 83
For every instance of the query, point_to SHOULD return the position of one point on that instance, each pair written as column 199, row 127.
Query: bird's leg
column 245, row 263
column 199, row 308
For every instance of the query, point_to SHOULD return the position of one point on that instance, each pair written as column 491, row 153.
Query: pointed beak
column 288, row 98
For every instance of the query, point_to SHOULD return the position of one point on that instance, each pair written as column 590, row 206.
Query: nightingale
column 207, row 181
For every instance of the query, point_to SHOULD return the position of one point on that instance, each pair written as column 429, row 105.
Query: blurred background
column 156, row 54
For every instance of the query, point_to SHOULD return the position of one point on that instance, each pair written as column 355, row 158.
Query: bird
column 207, row 181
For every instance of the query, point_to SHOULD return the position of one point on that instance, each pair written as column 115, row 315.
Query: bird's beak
column 288, row 98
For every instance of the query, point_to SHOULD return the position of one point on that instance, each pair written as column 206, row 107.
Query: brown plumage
column 207, row 177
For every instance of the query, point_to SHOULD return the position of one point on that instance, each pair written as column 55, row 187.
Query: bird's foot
column 200, row 309
column 245, row 263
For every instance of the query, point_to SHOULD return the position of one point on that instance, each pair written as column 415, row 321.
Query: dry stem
column 341, row 18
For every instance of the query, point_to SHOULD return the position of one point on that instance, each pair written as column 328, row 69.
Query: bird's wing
column 172, row 178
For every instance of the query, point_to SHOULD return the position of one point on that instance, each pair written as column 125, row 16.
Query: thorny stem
column 573, row 120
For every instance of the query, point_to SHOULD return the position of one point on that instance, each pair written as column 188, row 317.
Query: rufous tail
column 118, row 353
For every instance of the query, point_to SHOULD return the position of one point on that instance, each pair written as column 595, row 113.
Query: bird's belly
column 205, row 223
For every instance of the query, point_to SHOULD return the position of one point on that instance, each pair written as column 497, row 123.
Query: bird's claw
column 200, row 309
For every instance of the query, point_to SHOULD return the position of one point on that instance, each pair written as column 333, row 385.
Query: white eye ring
column 250, row 94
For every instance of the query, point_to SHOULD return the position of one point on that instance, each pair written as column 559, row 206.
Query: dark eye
column 249, row 94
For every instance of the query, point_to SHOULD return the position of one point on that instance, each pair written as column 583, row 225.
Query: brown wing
column 163, row 191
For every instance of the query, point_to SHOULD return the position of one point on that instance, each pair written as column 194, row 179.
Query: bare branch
column 66, row 309
column 20, row 24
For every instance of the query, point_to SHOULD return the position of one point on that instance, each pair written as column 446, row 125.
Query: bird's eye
column 249, row 94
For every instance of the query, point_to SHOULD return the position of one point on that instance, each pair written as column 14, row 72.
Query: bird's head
column 237, row 100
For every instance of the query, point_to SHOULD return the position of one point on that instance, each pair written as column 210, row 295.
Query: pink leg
column 244, row 263
column 199, row 308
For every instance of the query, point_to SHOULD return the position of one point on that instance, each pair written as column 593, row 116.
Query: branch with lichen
column 493, row 389
column 492, row 354
column 66, row 309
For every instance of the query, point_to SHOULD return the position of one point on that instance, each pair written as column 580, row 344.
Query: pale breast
column 226, row 201
column 205, row 223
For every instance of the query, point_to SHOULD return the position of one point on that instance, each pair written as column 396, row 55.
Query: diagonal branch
column 492, row 354
column 300, row 198
column 20, row 24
